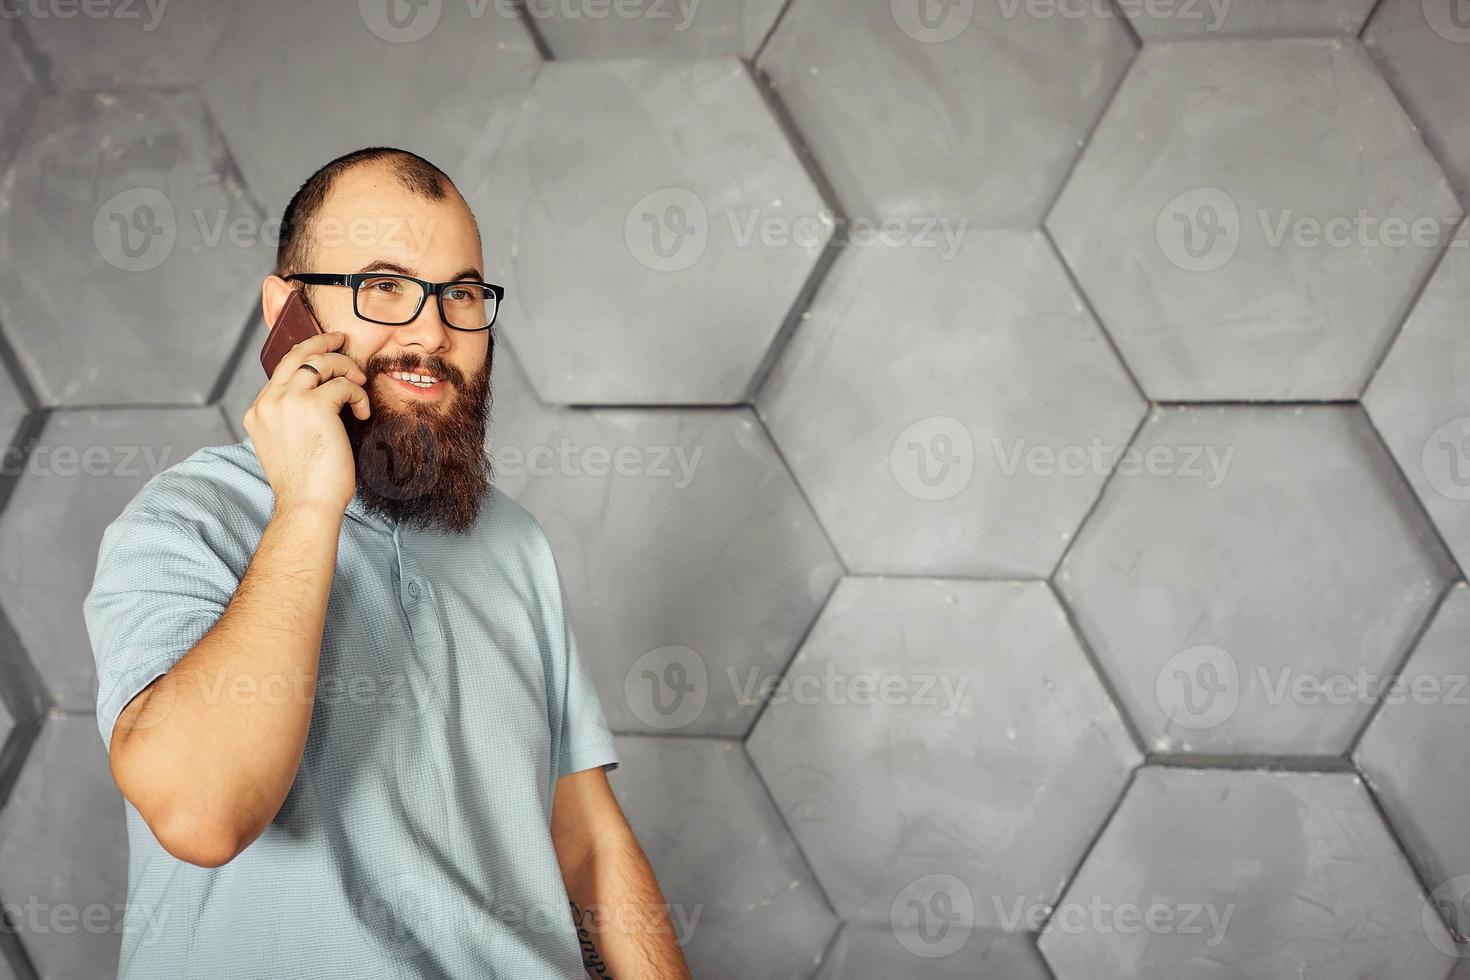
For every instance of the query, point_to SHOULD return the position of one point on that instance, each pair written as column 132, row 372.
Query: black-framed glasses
column 394, row 300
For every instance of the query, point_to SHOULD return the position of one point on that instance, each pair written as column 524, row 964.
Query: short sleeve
column 157, row 590
column 585, row 740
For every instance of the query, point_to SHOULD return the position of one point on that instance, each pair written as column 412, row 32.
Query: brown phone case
column 294, row 325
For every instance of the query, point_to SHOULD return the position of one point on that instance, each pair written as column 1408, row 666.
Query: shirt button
column 413, row 589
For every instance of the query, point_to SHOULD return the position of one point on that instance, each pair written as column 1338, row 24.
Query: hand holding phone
column 295, row 422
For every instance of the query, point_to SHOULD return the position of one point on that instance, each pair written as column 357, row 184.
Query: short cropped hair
column 413, row 172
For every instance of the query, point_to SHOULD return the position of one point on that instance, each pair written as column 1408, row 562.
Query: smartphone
column 294, row 325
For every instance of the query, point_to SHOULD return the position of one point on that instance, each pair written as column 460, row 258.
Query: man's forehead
column 369, row 213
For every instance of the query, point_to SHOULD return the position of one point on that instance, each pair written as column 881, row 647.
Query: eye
column 385, row 284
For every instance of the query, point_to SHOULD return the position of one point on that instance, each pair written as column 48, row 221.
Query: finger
column 293, row 359
column 333, row 365
column 341, row 391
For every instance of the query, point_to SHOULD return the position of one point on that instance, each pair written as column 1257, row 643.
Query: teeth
column 422, row 380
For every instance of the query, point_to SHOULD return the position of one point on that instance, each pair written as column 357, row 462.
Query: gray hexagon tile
column 1420, row 397
column 1411, row 750
column 246, row 379
column 1423, row 47
column 1250, row 576
column 942, row 746
column 519, row 423
column 290, row 100
column 744, row 903
column 1234, row 873
column 7, row 971
column 7, row 720
column 950, row 415
column 1246, row 18
column 17, row 81
column 661, row 28
column 691, row 563
column 128, row 255
column 964, row 110
column 1243, row 246
column 13, row 410
column 872, row 953
column 83, row 470
column 126, row 45
column 669, row 210
column 64, row 854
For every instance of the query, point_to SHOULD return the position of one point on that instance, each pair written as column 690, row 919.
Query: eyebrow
column 384, row 265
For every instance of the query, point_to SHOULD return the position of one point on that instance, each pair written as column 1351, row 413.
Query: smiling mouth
column 416, row 384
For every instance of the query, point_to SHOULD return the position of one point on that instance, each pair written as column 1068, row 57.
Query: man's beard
column 425, row 465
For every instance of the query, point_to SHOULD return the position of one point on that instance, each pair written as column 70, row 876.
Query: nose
column 427, row 330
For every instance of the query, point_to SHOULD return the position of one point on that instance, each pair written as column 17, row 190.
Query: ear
column 273, row 293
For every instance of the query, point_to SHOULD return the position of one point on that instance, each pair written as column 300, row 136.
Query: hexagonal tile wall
column 1218, row 873
column 291, row 99
column 679, row 28
column 731, row 568
column 64, row 855
column 117, row 215
column 1250, row 575
column 942, row 735
column 112, row 45
column 951, row 409
column 1410, row 752
column 1241, row 246
column 83, row 470
column 669, row 211
column 969, row 111
column 1420, row 397
column 742, row 900
column 869, row 953
column 13, row 410
column 1422, row 46
column 17, row 82
column 246, row 379
column 826, row 220
column 521, row 429
column 1247, row 18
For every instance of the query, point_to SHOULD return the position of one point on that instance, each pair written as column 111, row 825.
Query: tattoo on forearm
column 586, row 920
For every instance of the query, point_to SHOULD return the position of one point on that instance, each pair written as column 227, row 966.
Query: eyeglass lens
column 395, row 300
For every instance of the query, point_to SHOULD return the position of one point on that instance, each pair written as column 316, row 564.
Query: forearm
column 209, row 751
column 624, row 925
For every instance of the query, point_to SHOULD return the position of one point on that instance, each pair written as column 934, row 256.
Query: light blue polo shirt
column 415, row 840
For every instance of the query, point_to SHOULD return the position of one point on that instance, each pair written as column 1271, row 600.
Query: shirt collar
column 355, row 507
